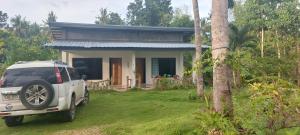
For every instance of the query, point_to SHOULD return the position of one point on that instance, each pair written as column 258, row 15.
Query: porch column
column 65, row 57
column 180, row 65
column 133, row 79
column 148, row 70
column 105, row 68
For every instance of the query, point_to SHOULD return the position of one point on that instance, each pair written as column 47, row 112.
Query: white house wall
column 128, row 61
column 161, row 54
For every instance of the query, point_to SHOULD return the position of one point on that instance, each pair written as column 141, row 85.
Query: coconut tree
column 220, row 47
column 239, row 39
column 197, row 63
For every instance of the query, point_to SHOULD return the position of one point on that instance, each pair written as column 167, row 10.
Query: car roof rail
column 21, row 62
column 60, row 62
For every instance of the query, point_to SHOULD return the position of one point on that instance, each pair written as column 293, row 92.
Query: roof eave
column 120, row 48
column 119, row 27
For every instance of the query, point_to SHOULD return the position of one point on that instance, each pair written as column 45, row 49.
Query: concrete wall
column 128, row 61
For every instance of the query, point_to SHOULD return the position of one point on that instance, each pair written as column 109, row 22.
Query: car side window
column 73, row 74
column 64, row 74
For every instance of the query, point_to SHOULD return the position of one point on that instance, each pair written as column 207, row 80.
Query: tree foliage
column 24, row 42
column 181, row 19
column 150, row 12
column 107, row 17
column 280, row 20
column 3, row 19
column 51, row 18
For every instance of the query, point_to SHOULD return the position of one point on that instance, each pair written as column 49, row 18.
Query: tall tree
column 240, row 38
column 20, row 26
column 150, row 12
column 181, row 19
column 158, row 12
column 3, row 19
column 103, row 18
column 107, row 17
column 115, row 19
column 51, row 18
column 198, row 62
column 220, row 47
column 135, row 14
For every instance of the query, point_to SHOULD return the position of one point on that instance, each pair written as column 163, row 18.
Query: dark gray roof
column 119, row 27
column 119, row 45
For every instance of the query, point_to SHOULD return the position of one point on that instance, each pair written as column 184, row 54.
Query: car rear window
column 22, row 76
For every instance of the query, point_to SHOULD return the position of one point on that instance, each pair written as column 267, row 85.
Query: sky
column 81, row 11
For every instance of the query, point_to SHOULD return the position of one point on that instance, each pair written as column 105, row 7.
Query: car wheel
column 86, row 99
column 70, row 114
column 37, row 95
column 12, row 121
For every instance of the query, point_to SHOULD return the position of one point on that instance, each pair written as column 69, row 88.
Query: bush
column 272, row 106
column 166, row 83
column 212, row 123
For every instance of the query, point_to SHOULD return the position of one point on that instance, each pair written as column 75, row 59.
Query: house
column 125, row 55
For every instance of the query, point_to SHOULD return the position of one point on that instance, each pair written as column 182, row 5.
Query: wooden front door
column 116, row 71
column 140, row 71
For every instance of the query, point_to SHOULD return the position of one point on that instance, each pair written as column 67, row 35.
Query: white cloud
column 83, row 11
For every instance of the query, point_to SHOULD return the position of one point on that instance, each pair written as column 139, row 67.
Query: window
column 91, row 67
column 64, row 74
column 163, row 67
column 73, row 74
column 21, row 76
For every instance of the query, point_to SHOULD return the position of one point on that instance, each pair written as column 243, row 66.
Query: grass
column 137, row 112
column 127, row 113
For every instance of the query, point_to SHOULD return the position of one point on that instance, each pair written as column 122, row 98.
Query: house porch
column 125, row 68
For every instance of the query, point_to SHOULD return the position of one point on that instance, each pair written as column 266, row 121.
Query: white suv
column 39, row 87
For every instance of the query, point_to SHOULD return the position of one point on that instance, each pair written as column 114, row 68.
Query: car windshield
column 22, row 76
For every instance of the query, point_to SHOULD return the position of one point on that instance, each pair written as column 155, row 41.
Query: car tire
column 86, row 99
column 71, row 113
column 37, row 95
column 12, row 121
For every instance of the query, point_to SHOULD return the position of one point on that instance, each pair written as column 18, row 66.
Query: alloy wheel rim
column 36, row 95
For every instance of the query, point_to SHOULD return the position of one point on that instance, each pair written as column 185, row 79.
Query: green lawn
column 137, row 112
column 130, row 113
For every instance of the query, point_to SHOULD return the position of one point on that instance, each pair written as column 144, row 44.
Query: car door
column 74, row 83
column 80, row 84
column 66, row 82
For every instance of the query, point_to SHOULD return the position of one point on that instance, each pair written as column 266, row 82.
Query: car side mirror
column 84, row 77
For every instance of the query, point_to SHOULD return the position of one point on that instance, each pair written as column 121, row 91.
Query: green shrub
column 271, row 106
column 166, row 83
column 212, row 123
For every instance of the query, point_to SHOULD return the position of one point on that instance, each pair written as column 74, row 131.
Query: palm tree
column 239, row 39
column 197, row 64
column 20, row 26
column 220, row 48
column 51, row 18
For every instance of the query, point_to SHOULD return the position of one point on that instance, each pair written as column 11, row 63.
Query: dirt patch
column 86, row 131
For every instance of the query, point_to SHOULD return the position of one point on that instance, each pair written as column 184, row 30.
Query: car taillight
column 58, row 75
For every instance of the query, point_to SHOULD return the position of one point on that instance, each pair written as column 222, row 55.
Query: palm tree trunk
column 262, row 42
column 298, row 66
column 238, row 72
column 198, row 64
column 234, row 79
column 278, row 50
column 220, row 44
